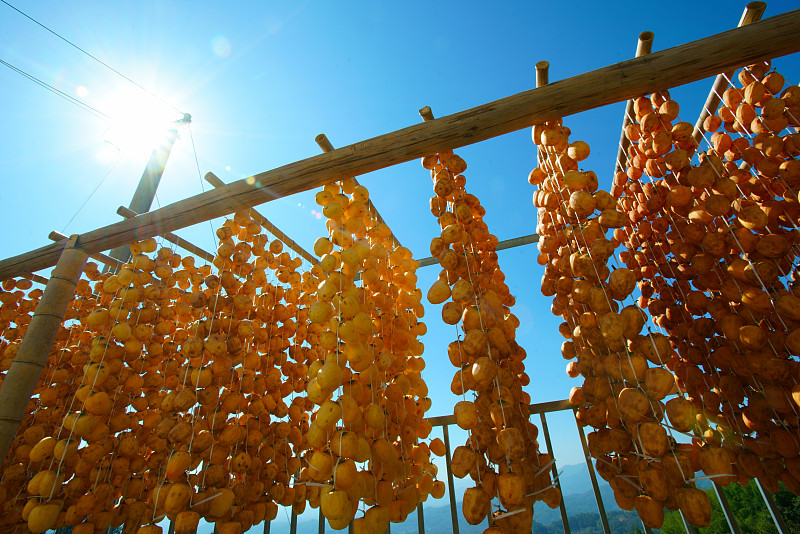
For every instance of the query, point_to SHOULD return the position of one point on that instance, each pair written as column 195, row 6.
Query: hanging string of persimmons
column 683, row 322
column 222, row 391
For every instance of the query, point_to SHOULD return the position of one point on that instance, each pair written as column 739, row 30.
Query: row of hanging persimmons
column 679, row 294
column 220, row 392
column 179, row 393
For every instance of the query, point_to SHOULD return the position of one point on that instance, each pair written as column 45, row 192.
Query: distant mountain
column 579, row 501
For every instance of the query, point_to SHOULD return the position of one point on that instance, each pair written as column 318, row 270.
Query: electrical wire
column 106, row 65
column 92, row 194
column 96, row 112
column 200, row 177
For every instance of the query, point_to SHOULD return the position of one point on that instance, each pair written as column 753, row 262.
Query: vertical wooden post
column 542, row 73
column 148, row 184
column 25, row 370
column 426, row 113
column 542, row 79
column 752, row 13
column 644, row 46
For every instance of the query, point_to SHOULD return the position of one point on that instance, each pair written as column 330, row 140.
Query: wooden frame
column 773, row 37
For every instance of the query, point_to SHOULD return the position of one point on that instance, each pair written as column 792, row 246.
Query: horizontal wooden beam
column 268, row 226
column 517, row 241
column 773, row 37
column 508, row 243
column 172, row 238
column 33, row 277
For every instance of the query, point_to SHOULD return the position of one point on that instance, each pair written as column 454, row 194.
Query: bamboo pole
column 172, row 238
column 33, row 277
column 542, row 79
column 542, row 73
column 105, row 259
column 271, row 228
column 752, row 13
column 326, row 146
column 426, row 113
column 24, row 372
column 643, row 47
column 773, row 37
column 508, row 243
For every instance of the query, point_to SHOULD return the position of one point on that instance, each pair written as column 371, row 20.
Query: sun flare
column 138, row 121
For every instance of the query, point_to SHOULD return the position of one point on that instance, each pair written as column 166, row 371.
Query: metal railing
column 542, row 409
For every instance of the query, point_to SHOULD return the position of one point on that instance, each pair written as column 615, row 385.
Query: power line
column 96, row 112
column 91, row 194
column 154, row 95
column 202, row 187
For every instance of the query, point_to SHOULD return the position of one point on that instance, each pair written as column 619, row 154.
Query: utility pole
column 148, row 184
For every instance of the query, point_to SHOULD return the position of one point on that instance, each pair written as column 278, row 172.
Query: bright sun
column 139, row 120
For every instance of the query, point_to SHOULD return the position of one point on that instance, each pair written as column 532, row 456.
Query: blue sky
column 262, row 79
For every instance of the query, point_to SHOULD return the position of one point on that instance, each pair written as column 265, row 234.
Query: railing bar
column 564, row 519
column 726, row 509
column 551, row 406
column 777, row 517
column 293, row 524
column 420, row 519
column 688, row 526
column 321, row 525
column 267, row 525
column 541, row 407
column 450, row 483
column 593, row 476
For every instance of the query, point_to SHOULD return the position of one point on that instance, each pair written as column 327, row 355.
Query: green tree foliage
column 749, row 510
